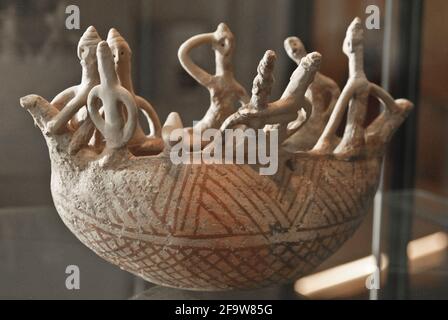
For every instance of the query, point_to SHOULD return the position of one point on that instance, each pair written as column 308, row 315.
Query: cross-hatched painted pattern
column 224, row 226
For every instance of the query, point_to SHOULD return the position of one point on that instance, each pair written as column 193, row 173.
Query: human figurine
column 115, row 128
column 140, row 144
column 225, row 91
column 355, row 96
column 71, row 100
column 259, row 113
column 323, row 93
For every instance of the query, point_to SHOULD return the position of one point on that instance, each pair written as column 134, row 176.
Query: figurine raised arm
column 323, row 93
column 276, row 115
column 71, row 100
column 140, row 144
column 355, row 96
column 225, row 91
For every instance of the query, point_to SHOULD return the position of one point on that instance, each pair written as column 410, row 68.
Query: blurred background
column 38, row 55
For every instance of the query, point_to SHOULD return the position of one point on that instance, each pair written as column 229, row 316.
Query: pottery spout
column 58, row 144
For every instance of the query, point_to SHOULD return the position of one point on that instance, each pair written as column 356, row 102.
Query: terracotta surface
column 322, row 93
column 354, row 98
column 225, row 91
column 140, row 144
column 213, row 226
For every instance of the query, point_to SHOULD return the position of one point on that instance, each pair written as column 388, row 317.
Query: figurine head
column 120, row 48
column 106, row 67
column 354, row 37
column 224, row 40
column 87, row 46
column 294, row 48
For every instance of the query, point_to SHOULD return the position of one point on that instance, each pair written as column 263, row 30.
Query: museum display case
column 121, row 94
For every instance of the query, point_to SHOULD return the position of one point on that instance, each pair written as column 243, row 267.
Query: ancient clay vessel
column 212, row 226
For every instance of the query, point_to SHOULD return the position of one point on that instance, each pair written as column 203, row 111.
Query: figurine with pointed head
column 122, row 55
column 87, row 47
column 121, row 51
column 294, row 48
column 354, row 37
